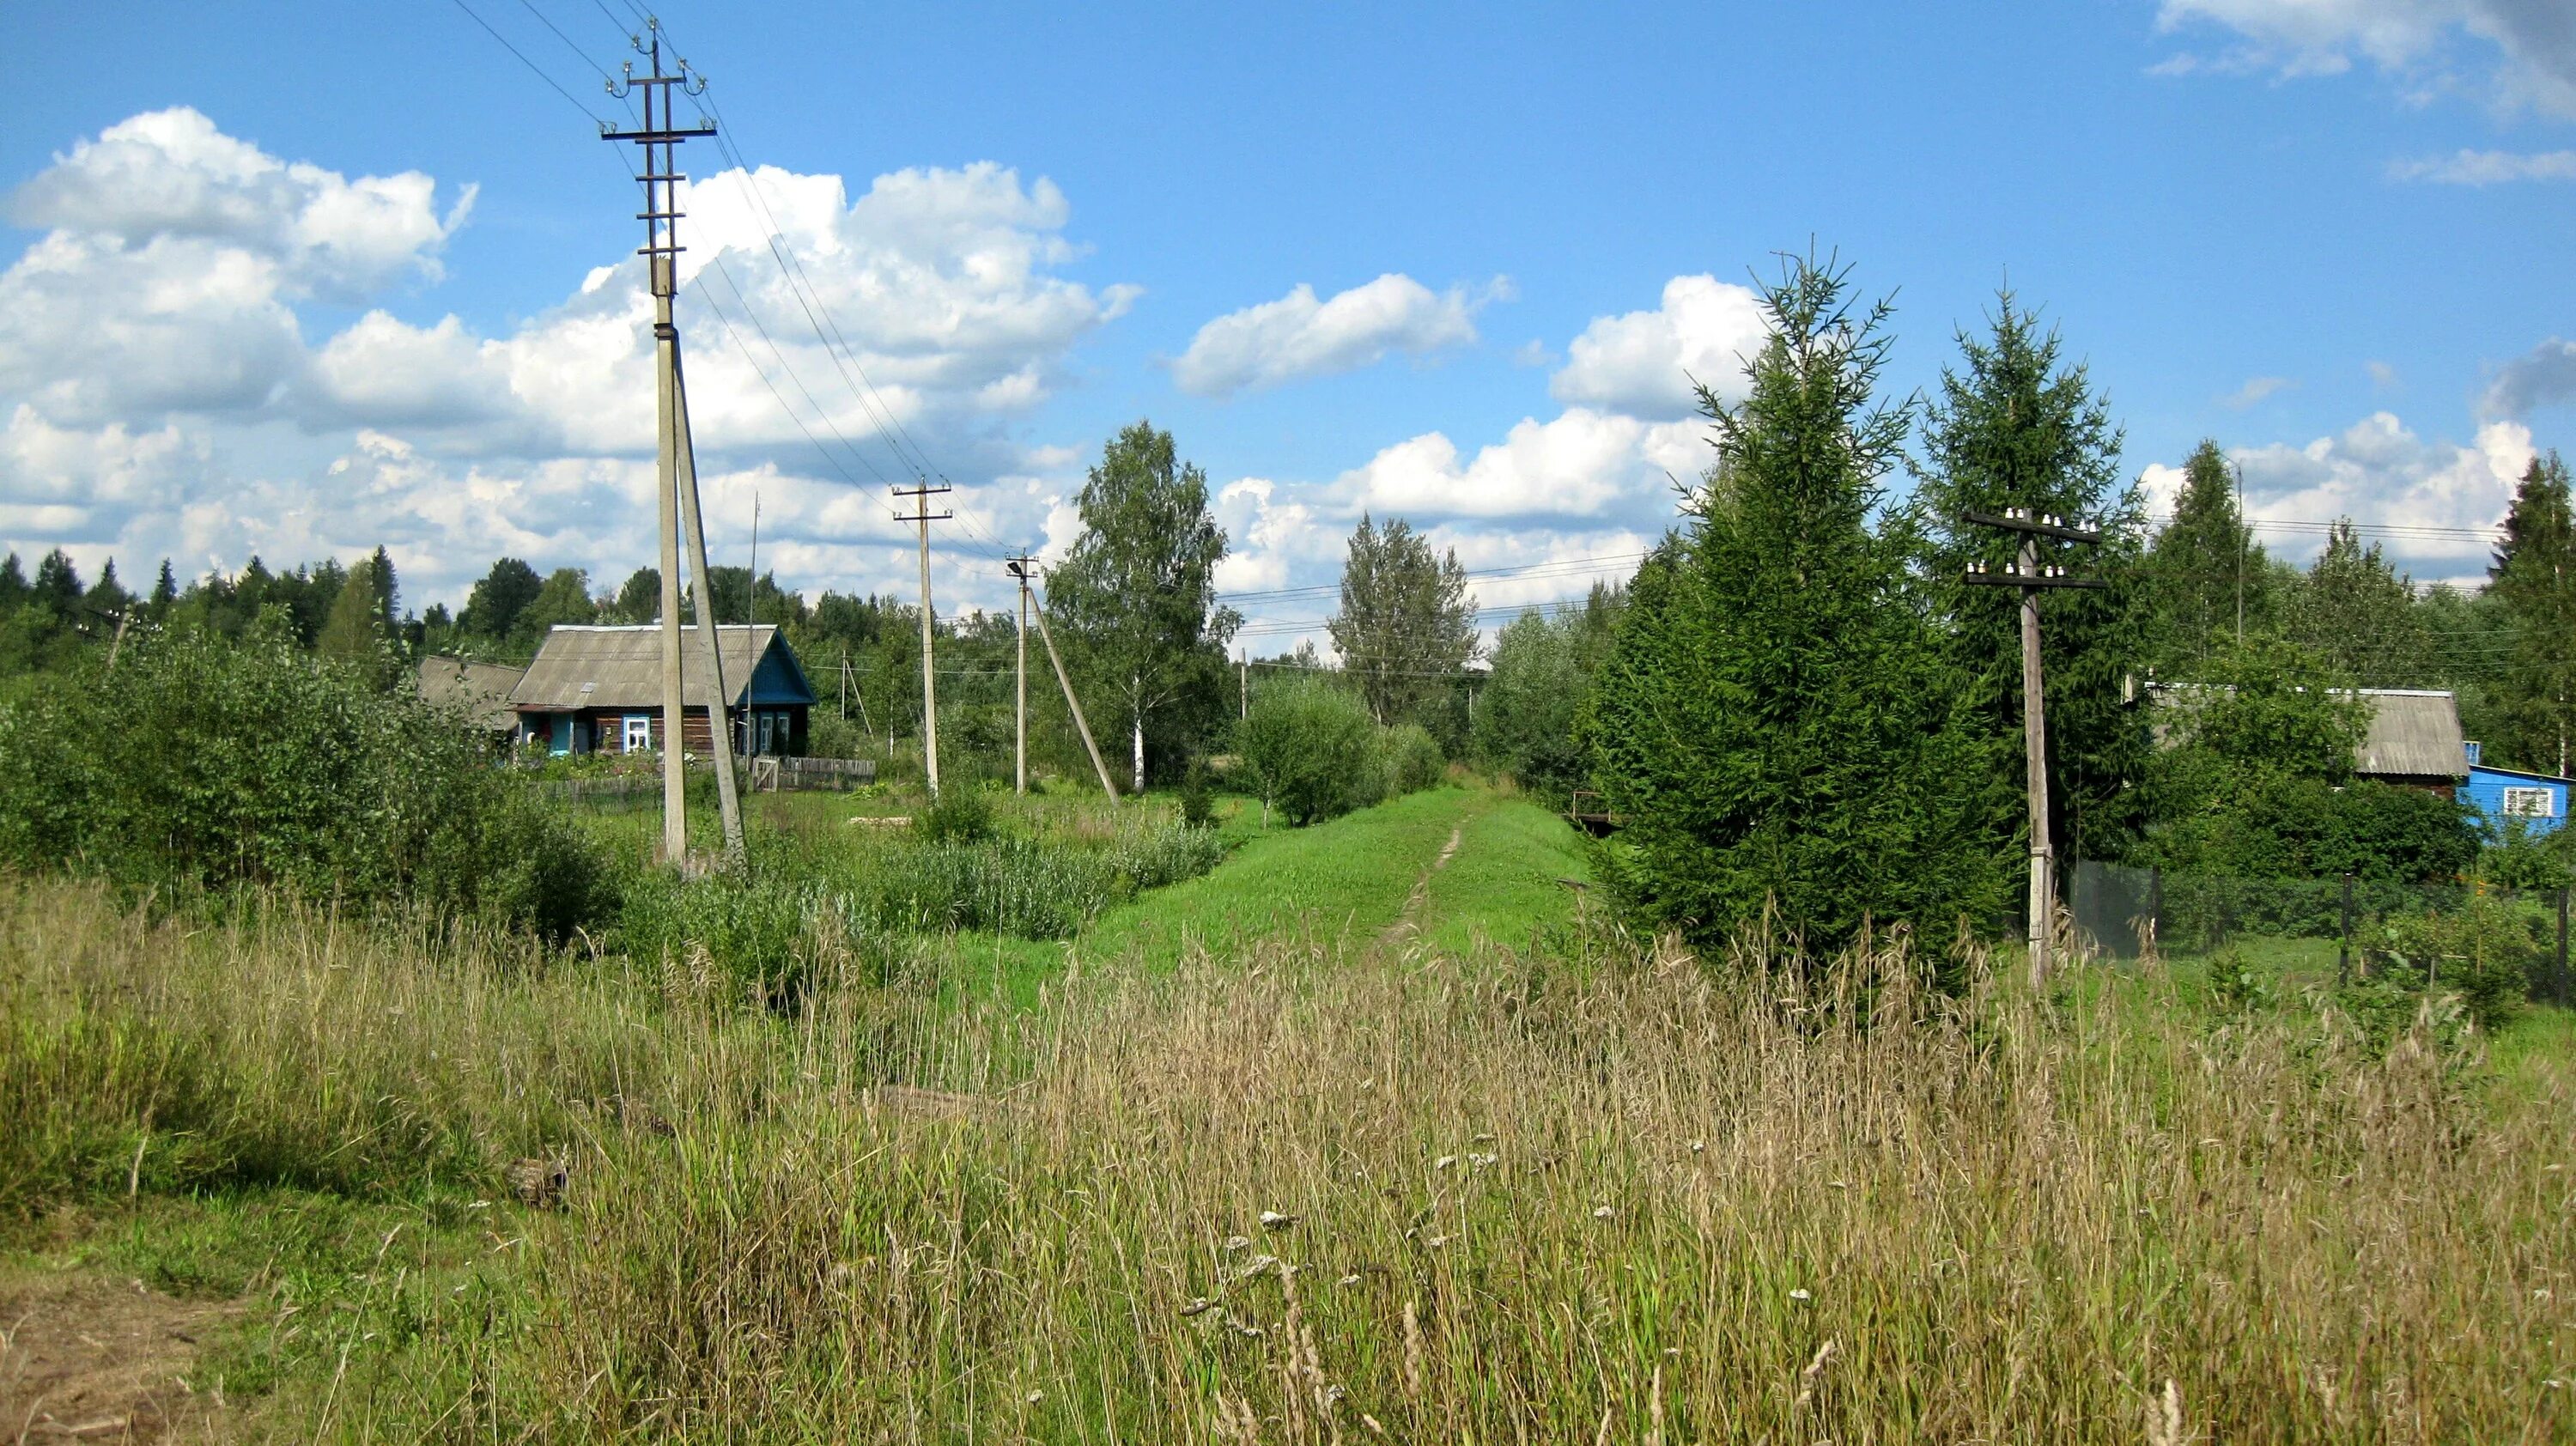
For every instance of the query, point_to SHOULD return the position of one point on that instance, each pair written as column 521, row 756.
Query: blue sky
column 1446, row 262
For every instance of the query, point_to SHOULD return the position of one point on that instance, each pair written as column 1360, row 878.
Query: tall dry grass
column 1310, row 1196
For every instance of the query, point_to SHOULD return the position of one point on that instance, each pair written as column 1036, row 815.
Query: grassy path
column 1346, row 882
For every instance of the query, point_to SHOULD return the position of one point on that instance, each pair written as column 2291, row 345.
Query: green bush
column 2484, row 952
column 203, row 765
column 1412, row 759
column 1310, row 750
column 963, row 813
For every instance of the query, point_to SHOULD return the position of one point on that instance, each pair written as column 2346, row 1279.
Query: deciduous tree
column 1137, row 592
column 1407, row 624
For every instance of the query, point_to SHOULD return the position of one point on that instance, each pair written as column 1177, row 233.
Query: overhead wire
column 891, row 430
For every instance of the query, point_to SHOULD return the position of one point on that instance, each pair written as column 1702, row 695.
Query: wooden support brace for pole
column 1075, row 704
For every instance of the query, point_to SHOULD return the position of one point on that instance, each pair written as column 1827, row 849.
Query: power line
column 533, row 68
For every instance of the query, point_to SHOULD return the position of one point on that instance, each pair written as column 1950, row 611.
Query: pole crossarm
column 2023, row 519
column 2014, row 578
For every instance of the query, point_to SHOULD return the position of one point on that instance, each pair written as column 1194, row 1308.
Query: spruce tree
column 2205, row 571
column 165, row 593
column 1775, row 719
column 2534, row 583
column 2359, row 613
column 354, row 632
column 2015, row 426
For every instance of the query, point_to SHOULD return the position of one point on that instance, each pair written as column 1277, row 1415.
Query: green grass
column 1338, row 883
column 1508, row 882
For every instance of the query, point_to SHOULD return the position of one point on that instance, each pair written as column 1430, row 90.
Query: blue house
column 2498, row 794
column 599, row 690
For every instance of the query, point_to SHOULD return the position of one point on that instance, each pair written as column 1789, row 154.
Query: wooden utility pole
column 1075, row 704
column 1019, row 567
column 659, row 135
column 2032, row 576
column 920, row 497
column 1243, row 682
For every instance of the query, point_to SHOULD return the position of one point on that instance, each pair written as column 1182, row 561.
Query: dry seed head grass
column 2002, row 1205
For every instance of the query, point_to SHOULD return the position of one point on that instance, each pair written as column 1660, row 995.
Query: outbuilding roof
column 2414, row 732
column 621, row 667
column 482, row 690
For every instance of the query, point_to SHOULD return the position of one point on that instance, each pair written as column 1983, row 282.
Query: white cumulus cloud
column 1645, row 363
column 1299, row 335
column 1582, row 463
column 166, row 398
column 2378, row 472
column 2525, row 49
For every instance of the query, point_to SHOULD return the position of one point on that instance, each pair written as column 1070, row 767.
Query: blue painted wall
column 777, row 680
column 2485, row 793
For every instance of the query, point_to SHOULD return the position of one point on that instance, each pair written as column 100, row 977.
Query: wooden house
column 481, row 691
column 2502, row 795
column 599, row 690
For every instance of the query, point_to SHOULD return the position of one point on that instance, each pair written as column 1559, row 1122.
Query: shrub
column 963, row 813
column 2234, row 986
column 829, row 735
column 1413, row 761
column 2483, row 952
column 1310, row 750
column 205, row 765
column 1198, row 800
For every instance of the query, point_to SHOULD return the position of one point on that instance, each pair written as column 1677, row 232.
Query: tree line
column 1796, row 703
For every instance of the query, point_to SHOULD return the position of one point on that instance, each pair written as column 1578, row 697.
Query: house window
column 2531, row 803
column 639, row 732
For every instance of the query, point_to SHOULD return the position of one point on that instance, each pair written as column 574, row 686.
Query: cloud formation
column 1645, row 363
column 2540, row 377
column 2487, row 168
column 164, row 396
column 1299, row 336
column 2525, row 49
column 2255, row 390
column 2378, row 473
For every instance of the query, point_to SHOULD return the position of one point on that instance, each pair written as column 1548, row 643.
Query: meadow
column 1374, row 1131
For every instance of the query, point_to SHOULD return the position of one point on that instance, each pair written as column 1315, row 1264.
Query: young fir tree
column 2204, row 572
column 2359, row 613
column 2016, row 427
column 165, row 594
column 2533, row 582
column 1407, row 623
column 1776, row 720
column 355, row 632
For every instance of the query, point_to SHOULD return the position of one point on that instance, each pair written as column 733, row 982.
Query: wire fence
column 2121, row 912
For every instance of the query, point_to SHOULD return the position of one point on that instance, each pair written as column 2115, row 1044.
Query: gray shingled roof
column 622, row 667
column 482, row 690
column 2414, row 732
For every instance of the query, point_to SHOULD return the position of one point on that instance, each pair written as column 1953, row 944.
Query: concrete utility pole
column 660, row 135
column 920, row 497
column 2031, row 576
column 710, row 635
column 1019, row 567
column 1075, row 704
column 1243, row 682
